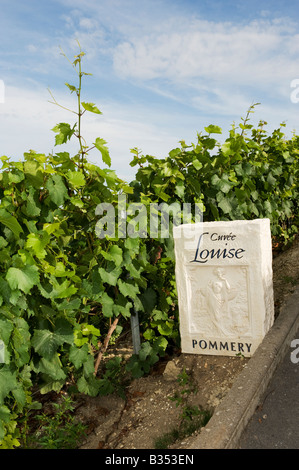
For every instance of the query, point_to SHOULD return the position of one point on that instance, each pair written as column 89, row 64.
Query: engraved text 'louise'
column 202, row 256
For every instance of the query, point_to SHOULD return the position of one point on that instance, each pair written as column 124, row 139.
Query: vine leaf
column 100, row 145
column 23, row 279
column 64, row 133
column 46, row 342
column 11, row 222
column 57, row 189
column 91, row 107
column 128, row 290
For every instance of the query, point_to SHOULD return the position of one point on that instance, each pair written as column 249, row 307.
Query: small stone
column 171, row 371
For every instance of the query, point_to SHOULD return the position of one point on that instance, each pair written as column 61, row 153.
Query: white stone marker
column 224, row 285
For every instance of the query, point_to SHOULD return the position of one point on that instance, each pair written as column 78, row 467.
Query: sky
column 162, row 70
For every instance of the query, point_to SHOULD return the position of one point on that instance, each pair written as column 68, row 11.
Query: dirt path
column 149, row 412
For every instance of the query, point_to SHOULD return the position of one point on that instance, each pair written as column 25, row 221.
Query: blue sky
column 162, row 70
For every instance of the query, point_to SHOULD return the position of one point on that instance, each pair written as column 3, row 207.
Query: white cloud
column 27, row 118
column 87, row 23
column 259, row 53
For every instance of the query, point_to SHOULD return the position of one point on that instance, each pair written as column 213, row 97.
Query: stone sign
column 224, row 285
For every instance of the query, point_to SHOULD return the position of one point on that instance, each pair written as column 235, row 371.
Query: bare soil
column 147, row 413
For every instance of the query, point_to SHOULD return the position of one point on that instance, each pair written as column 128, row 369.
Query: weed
column 290, row 280
column 192, row 417
column 58, row 431
column 185, row 429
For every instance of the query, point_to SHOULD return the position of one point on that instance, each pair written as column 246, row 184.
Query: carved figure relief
column 219, row 300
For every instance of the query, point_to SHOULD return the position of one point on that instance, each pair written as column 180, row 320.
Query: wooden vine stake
column 105, row 345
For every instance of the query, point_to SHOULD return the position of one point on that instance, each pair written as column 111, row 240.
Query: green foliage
column 186, row 388
column 140, row 364
column 51, row 288
column 246, row 177
column 62, row 286
column 112, row 380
